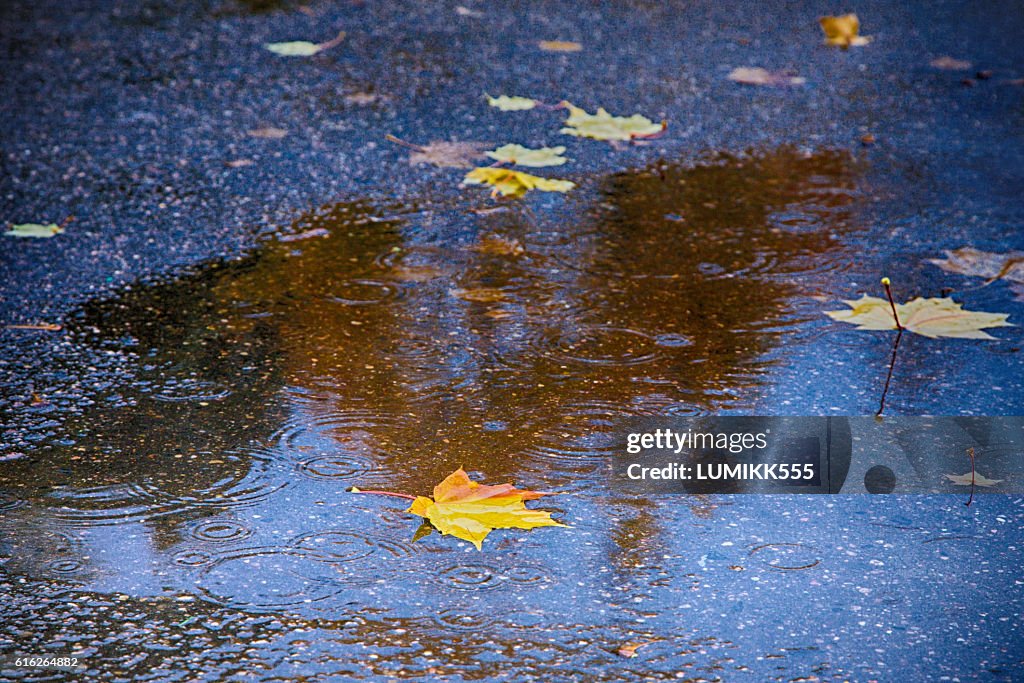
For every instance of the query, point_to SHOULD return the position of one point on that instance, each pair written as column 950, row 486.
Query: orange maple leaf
column 470, row 510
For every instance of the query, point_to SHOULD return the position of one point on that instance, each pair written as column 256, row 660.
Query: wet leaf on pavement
column 604, row 126
column 843, row 31
column 934, row 317
column 524, row 156
column 511, row 102
column 986, row 264
column 34, row 230
column 303, row 48
column 970, row 478
column 469, row 510
column 509, row 183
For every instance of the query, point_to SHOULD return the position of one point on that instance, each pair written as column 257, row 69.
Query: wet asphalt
column 127, row 116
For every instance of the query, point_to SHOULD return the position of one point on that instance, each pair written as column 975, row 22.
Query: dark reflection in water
column 388, row 348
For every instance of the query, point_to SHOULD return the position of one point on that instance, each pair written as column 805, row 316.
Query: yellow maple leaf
column 509, row 183
column 511, row 102
column 524, row 156
column 604, row 126
column 934, row 317
column 843, row 31
column 469, row 510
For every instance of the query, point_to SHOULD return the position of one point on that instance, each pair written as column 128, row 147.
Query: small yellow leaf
column 524, row 156
column 36, row 230
column 843, row 31
column 559, row 46
column 969, row 478
column 509, row 183
column 511, row 102
column 303, row 48
column 294, row 48
column 934, row 317
column 604, row 126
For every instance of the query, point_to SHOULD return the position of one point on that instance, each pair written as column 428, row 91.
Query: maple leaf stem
column 333, row 42
column 382, row 493
column 892, row 303
column 408, row 145
column 888, row 377
column 649, row 136
column 970, row 454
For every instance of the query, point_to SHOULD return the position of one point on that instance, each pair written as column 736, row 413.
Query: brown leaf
column 449, row 154
column 989, row 265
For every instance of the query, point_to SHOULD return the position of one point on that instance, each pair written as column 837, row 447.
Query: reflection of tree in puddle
column 667, row 300
column 393, row 350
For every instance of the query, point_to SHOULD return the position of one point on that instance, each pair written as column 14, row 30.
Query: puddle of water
column 387, row 349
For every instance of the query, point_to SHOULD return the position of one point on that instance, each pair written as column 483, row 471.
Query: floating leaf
column 466, row 12
column 36, row 230
column 448, row 154
column 935, row 317
column 972, row 478
column 992, row 266
column 559, row 46
column 604, row 126
column 469, row 510
column 950, row 63
column 239, row 163
column 755, row 75
column 843, row 31
column 511, row 102
column 509, row 183
column 524, row 156
column 303, row 48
